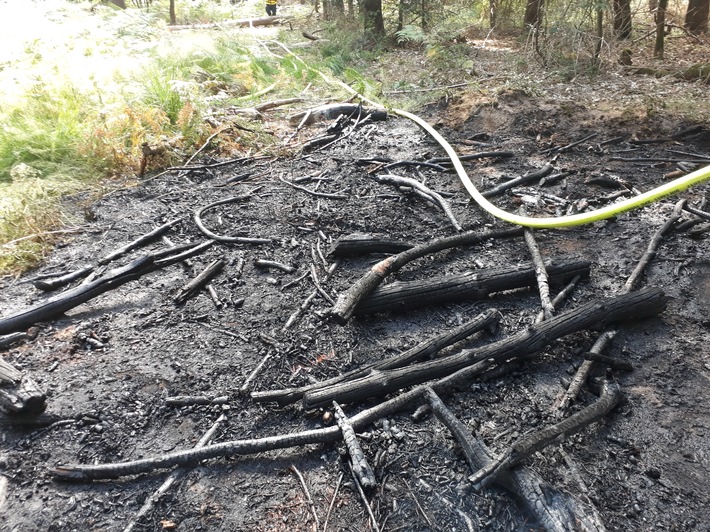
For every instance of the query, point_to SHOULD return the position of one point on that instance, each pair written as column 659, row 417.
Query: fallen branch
column 409, row 182
column 228, row 239
column 191, row 288
column 309, row 499
column 527, row 178
column 361, row 468
column 541, row 273
column 569, row 146
column 605, row 338
column 63, row 280
column 148, row 237
column 74, row 297
column 472, row 156
column 172, row 478
column 532, row 443
column 309, row 300
column 346, row 303
column 471, row 286
column 244, row 22
column 19, row 394
column 485, row 320
column 313, row 192
column 272, row 264
column 16, row 337
column 554, row 510
column 525, row 343
column 333, row 111
column 357, row 244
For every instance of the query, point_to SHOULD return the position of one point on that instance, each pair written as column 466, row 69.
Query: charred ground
column 644, row 467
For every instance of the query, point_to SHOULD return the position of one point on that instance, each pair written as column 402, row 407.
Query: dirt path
column 645, row 467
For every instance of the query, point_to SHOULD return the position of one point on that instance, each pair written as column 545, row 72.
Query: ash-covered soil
column 643, row 467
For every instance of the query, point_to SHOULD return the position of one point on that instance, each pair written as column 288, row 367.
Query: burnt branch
column 487, row 319
column 523, row 344
column 559, row 512
column 391, row 179
column 361, row 468
column 74, row 297
column 639, row 304
column 541, row 274
column 197, row 216
column 532, row 443
column 345, row 305
column 358, row 244
column 477, row 285
column 194, row 286
column 527, row 178
column 148, row 237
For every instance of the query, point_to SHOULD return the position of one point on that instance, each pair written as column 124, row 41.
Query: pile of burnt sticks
column 427, row 381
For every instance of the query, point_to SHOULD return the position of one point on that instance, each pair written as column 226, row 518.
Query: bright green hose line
column 677, row 185
column 672, row 187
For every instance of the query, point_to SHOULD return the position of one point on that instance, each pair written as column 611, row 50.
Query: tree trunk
column 425, row 15
column 599, row 32
column 374, row 23
column 173, row 17
column 533, row 13
column 119, row 3
column 660, row 28
column 696, row 17
column 622, row 19
column 492, row 12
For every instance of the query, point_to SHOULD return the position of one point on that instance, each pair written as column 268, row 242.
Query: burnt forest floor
column 109, row 365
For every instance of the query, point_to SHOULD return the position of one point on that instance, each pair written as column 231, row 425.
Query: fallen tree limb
column 541, row 273
column 594, row 314
column 244, row 22
column 228, row 239
column 409, row 182
column 148, row 237
column 640, row 304
column 358, row 244
column 361, row 468
column 47, row 285
column 172, row 478
column 16, row 337
column 554, row 510
column 606, row 337
column 74, row 297
column 527, row 178
column 408, row 295
column 531, row 443
column 346, row 303
column 333, row 111
column 19, row 394
column 201, row 280
column 485, row 320
column 445, row 161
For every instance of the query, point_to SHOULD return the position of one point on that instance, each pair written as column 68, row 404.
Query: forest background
column 97, row 96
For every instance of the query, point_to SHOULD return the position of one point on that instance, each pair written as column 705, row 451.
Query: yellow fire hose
column 672, row 187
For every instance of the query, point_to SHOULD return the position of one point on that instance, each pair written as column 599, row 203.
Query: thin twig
column 332, row 502
column 307, row 493
column 543, row 282
column 172, row 478
column 392, row 179
column 313, row 192
column 197, row 216
column 207, row 142
column 363, row 497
